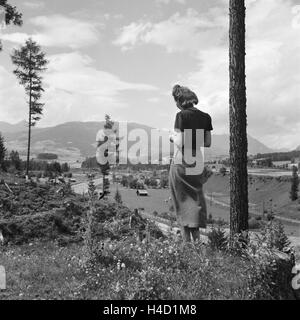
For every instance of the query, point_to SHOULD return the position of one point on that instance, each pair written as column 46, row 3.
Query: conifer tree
column 30, row 62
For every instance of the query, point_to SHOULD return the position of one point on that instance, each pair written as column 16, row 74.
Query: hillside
column 6, row 127
column 77, row 140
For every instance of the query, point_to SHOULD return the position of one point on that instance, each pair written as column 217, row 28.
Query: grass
column 161, row 269
column 41, row 270
column 123, row 267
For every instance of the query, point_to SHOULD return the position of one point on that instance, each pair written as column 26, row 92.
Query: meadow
column 47, row 255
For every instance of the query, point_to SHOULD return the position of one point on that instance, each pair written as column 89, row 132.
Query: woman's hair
column 184, row 96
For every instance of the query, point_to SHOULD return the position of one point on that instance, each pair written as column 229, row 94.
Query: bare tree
column 238, row 120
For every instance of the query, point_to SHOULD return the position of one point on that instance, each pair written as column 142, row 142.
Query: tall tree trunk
column 238, row 120
column 29, row 134
column 29, row 120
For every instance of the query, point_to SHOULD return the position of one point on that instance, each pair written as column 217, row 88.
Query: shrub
column 210, row 219
column 253, row 223
column 217, row 238
column 274, row 237
column 222, row 171
column 270, row 217
column 118, row 197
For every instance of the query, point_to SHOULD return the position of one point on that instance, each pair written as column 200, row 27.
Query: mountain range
column 6, row 127
column 76, row 140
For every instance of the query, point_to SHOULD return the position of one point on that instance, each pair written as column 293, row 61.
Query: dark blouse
column 193, row 118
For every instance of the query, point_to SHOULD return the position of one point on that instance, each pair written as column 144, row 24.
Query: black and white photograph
column 149, row 153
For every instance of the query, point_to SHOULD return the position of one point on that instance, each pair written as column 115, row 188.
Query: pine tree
column 30, row 62
column 105, row 168
column 118, row 197
column 92, row 190
column 2, row 152
column 238, row 120
column 15, row 159
column 10, row 15
column 89, row 238
column 294, row 185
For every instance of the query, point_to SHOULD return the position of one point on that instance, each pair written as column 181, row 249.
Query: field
column 159, row 200
column 261, row 191
column 45, row 257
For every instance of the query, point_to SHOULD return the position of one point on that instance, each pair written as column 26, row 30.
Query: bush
column 253, row 224
column 270, row 217
column 223, row 171
column 217, row 238
column 274, row 236
column 48, row 225
column 270, row 271
column 118, row 197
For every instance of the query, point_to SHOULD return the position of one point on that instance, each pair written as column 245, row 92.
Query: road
column 269, row 172
column 224, row 204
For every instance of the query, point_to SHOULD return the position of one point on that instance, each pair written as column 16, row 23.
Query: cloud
column 273, row 75
column 74, row 90
column 272, row 63
column 181, row 32
column 131, row 35
column 74, row 73
column 12, row 98
column 170, row 1
column 34, row 5
column 59, row 31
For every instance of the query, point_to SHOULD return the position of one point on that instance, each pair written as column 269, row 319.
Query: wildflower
column 119, row 265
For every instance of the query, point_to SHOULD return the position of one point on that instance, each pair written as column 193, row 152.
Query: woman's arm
column 177, row 138
column 207, row 139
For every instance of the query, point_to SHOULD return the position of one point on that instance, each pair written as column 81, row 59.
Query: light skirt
column 188, row 197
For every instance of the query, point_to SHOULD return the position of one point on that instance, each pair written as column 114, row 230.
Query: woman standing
column 192, row 133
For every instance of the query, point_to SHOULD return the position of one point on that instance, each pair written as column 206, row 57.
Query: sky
column 122, row 57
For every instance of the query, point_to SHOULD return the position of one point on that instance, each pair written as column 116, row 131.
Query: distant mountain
column 77, row 140
column 9, row 128
column 220, row 146
column 298, row 149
